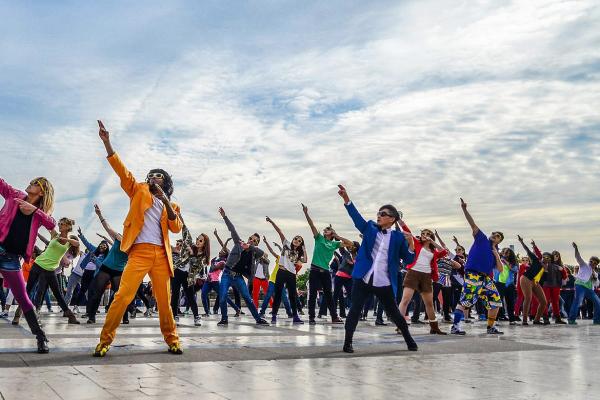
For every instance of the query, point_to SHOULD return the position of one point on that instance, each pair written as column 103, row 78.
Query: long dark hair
column 167, row 186
column 97, row 252
column 512, row 257
column 205, row 251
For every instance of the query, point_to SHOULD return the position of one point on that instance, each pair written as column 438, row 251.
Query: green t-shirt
column 50, row 258
column 586, row 284
column 324, row 250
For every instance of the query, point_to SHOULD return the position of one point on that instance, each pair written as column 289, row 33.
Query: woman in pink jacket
column 20, row 219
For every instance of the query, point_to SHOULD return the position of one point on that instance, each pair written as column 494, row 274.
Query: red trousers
column 258, row 284
column 553, row 297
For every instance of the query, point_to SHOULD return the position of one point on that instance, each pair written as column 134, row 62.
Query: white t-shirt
column 151, row 231
column 288, row 258
column 78, row 269
column 260, row 273
column 423, row 263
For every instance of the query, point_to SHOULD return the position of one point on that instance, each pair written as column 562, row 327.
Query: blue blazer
column 398, row 248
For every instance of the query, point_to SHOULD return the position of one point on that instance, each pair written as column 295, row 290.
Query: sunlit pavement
column 245, row 361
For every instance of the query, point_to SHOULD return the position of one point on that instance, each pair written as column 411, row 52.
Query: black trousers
column 97, row 287
column 288, row 279
column 385, row 294
column 446, row 297
column 179, row 281
column 338, row 294
column 46, row 279
column 318, row 277
column 86, row 281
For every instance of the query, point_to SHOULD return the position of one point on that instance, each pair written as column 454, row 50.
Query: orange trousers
column 143, row 259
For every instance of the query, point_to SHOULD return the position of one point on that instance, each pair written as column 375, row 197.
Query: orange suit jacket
column 140, row 201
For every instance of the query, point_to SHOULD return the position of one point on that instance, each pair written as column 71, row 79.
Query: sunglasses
column 38, row 183
column 155, row 175
column 384, row 214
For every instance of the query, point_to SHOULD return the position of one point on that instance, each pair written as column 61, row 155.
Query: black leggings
column 446, row 297
column 86, row 281
column 46, row 279
column 288, row 279
column 97, row 286
column 180, row 280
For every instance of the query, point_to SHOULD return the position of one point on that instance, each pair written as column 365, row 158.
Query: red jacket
column 437, row 254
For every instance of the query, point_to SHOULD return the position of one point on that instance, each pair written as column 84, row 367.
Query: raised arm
column 455, row 240
column 531, row 255
column 499, row 265
column 234, row 235
column 278, row 246
column 359, row 222
column 223, row 245
column 469, row 218
column 314, row 230
column 578, row 257
column 128, row 181
column 536, row 250
column 440, row 240
column 7, row 191
column 281, row 235
column 111, row 232
column 85, row 242
column 269, row 247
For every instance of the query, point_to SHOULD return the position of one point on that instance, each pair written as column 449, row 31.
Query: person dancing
column 376, row 267
column 21, row 217
column 146, row 241
column 478, row 285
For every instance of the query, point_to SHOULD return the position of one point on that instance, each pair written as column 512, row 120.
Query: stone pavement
column 243, row 361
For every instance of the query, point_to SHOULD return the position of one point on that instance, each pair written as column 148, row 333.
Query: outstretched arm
column 108, row 240
column 345, row 242
column 234, row 234
column 85, row 242
column 578, row 257
column 128, row 181
column 469, row 218
column 43, row 239
column 314, row 230
column 359, row 222
column 219, row 238
column 440, row 240
column 269, row 247
column 281, row 235
column 111, row 232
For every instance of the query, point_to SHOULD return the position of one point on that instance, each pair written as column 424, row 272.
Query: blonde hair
column 47, row 200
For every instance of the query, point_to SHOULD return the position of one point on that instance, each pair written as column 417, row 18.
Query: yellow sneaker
column 101, row 350
column 175, row 349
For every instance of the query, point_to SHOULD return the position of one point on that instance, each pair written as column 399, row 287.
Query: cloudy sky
column 260, row 105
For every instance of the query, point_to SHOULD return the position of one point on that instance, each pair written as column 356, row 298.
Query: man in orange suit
column 146, row 240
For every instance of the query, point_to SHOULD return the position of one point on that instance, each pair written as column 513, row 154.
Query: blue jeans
column 206, row 289
column 580, row 293
column 270, row 292
column 9, row 261
column 238, row 282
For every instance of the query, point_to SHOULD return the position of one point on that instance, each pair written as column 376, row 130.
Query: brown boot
column 435, row 329
column 72, row 317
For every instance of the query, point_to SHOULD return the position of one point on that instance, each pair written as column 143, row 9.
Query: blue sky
column 258, row 106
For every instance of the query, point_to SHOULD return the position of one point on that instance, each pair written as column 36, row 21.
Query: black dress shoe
column 348, row 348
column 379, row 322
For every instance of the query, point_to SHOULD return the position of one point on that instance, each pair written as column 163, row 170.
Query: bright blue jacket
column 398, row 249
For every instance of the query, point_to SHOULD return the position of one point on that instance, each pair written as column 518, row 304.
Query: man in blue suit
column 376, row 267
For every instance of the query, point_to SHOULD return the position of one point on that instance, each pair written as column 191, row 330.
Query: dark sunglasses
column 384, row 214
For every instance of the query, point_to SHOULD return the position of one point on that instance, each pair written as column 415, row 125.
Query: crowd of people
column 388, row 269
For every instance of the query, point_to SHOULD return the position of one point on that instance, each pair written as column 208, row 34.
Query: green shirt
column 323, row 252
column 50, row 258
column 586, row 284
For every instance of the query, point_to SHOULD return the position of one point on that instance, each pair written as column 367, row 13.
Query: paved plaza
column 243, row 361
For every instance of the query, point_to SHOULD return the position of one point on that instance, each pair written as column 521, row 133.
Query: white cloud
column 415, row 104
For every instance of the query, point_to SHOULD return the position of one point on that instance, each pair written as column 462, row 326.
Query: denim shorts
column 9, row 261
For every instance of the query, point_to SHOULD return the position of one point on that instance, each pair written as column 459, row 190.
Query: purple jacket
column 9, row 210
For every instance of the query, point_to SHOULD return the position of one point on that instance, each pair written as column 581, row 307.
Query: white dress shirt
column 379, row 254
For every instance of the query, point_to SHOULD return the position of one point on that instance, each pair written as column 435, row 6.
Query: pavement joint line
column 55, row 392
